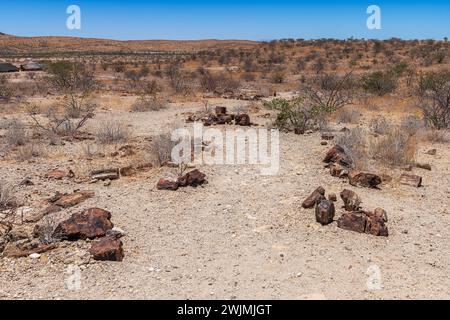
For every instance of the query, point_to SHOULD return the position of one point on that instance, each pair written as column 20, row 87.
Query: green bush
column 380, row 82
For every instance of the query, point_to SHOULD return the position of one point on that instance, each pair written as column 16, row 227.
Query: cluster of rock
column 354, row 219
column 193, row 178
column 341, row 164
column 221, row 117
column 90, row 224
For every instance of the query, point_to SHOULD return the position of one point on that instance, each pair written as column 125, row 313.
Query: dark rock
column 411, row 180
column 332, row 197
column 336, row 170
column 221, row 111
column 325, row 212
column 193, row 178
column 107, row 249
column 424, row 166
column 327, row 136
column 105, row 174
column 167, row 184
column 353, row 221
column 337, row 155
column 375, row 225
column 89, row 224
column 432, row 152
column 316, row 196
column 364, row 179
column 242, row 119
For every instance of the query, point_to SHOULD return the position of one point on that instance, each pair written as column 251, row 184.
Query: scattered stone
column 380, row 212
column 337, row 155
column 324, row 143
column 364, row 222
column 424, row 166
column 26, row 182
column 332, row 197
column 375, row 225
column 351, row 200
column 221, row 111
column 107, row 249
column 167, row 184
column 60, row 174
column 336, row 170
column 353, row 221
column 327, row 136
column 20, row 250
column 70, row 200
column 364, row 179
column 105, row 174
column 242, row 119
column 89, row 224
column 325, row 212
column 61, row 201
column 411, row 180
column 127, row 171
column 193, row 178
column 116, row 233
column 299, row 131
column 316, row 196
column 35, row 256
column 431, row 152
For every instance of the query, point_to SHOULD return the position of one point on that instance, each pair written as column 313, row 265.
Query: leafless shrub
column 148, row 103
column 330, row 92
column 5, row 90
column 16, row 135
column 349, row 116
column 62, row 123
column 437, row 136
column 161, row 148
column 7, row 196
column 110, row 132
column 380, row 125
column 47, row 227
column 28, row 152
column 395, row 148
column 412, row 125
column 434, row 98
column 354, row 143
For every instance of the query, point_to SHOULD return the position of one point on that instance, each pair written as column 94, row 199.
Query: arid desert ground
column 93, row 207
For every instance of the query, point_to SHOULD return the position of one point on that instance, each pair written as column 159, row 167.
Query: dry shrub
column 394, row 148
column 437, row 136
column 111, row 132
column 380, row 125
column 354, row 143
column 16, row 135
column 28, row 152
column 161, row 148
column 7, row 196
column 145, row 104
column 349, row 116
column 412, row 125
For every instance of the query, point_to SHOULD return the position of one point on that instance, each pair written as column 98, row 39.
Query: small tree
column 434, row 98
column 294, row 115
column 77, row 83
column 330, row 92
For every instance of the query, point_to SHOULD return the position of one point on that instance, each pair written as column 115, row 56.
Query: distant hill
column 26, row 45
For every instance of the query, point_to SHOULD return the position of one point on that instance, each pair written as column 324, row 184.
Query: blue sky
column 246, row 19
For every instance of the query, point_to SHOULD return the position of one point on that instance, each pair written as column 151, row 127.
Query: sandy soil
column 243, row 235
